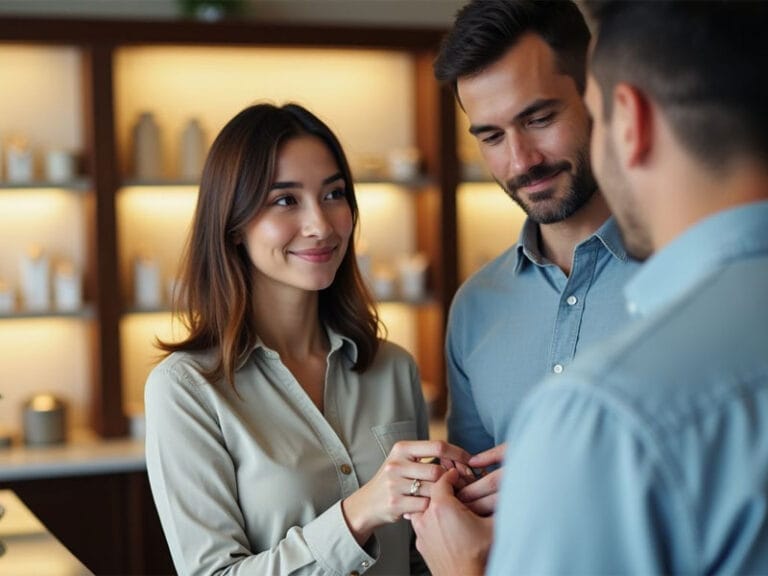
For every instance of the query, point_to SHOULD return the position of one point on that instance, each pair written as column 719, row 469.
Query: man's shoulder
column 497, row 276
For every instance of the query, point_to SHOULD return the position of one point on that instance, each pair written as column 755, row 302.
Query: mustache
column 538, row 172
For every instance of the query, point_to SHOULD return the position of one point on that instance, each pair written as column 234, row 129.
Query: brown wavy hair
column 214, row 298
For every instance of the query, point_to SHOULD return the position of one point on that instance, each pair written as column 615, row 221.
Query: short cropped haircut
column 701, row 62
column 484, row 30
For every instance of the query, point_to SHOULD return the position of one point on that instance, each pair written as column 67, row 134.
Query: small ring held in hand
column 415, row 485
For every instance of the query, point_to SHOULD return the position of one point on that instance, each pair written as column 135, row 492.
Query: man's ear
column 632, row 125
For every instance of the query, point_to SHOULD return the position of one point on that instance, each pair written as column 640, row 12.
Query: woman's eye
column 336, row 193
column 284, row 201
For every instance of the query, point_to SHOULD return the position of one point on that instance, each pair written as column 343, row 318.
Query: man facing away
column 651, row 454
column 518, row 71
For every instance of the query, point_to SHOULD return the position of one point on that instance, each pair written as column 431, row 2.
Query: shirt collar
column 337, row 341
column 610, row 235
column 699, row 251
column 528, row 244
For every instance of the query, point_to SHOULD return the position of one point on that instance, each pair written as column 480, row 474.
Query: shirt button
column 571, row 300
column 354, row 573
column 557, row 368
column 365, row 563
column 346, row 469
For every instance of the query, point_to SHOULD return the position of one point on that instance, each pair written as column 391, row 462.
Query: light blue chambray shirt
column 650, row 455
column 520, row 318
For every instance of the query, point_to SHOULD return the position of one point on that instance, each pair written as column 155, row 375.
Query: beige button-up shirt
column 251, row 482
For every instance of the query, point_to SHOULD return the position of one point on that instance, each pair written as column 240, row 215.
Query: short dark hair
column 485, row 29
column 702, row 62
column 215, row 298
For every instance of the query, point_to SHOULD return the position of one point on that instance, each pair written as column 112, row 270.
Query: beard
column 544, row 207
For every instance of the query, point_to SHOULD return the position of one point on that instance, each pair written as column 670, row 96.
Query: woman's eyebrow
column 288, row 184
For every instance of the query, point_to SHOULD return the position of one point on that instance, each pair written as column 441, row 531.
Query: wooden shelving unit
column 98, row 42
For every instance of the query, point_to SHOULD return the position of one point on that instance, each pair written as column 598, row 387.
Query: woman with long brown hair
column 283, row 435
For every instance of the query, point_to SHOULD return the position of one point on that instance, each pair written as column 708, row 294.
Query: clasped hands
column 472, row 485
column 455, row 531
column 433, row 484
column 405, row 481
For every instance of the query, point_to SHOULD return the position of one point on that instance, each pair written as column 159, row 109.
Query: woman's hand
column 402, row 485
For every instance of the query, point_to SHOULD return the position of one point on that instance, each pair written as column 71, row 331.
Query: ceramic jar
column 147, row 156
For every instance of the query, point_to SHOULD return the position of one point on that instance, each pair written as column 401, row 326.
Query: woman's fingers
column 416, row 449
column 417, row 488
column 435, row 451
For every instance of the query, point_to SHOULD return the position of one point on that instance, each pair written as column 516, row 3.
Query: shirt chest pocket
column 388, row 434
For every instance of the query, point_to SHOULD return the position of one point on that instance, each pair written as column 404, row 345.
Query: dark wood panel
column 108, row 522
column 85, row 31
column 106, row 410
column 436, row 217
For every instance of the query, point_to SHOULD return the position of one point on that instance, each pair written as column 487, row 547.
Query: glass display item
column 35, row 280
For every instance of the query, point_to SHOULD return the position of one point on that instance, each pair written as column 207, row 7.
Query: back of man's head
column 485, row 29
column 701, row 62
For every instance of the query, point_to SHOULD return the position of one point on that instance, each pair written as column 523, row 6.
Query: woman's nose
column 316, row 222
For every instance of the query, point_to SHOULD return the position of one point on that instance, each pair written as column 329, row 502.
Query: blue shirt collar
column 528, row 245
column 696, row 253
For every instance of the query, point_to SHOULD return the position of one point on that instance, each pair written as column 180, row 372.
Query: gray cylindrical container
column 44, row 420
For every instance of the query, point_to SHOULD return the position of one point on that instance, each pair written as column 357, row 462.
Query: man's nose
column 523, row 153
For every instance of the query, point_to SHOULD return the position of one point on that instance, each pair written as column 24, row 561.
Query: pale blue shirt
column 521, row 318
column 650, row 455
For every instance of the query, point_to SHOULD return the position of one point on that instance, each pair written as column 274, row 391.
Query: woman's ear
column 632, row 124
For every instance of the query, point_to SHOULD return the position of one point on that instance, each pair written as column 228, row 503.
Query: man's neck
column 700, row 193
column 557, row 241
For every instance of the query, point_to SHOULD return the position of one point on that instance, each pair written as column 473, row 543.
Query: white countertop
column 84, row 455
column 27, row 548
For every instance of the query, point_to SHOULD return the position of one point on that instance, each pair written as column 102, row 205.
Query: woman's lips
column 315, row 255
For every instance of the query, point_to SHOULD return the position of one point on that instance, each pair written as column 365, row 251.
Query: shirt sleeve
column 584, row 491
column 465, row 428
column 195, row 491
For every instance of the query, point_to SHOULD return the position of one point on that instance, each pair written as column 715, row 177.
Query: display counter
column 83, row 456
column 26, row 546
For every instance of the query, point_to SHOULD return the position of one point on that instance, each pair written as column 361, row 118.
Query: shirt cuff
column 333, row 545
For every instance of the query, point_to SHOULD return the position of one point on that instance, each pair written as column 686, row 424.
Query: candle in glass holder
column 67, row 287
column 59, row 165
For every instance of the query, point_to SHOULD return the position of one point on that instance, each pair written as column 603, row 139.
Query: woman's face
column 300, row 235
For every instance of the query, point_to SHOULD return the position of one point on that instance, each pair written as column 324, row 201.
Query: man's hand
column 481, row 495
column 451, row 538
